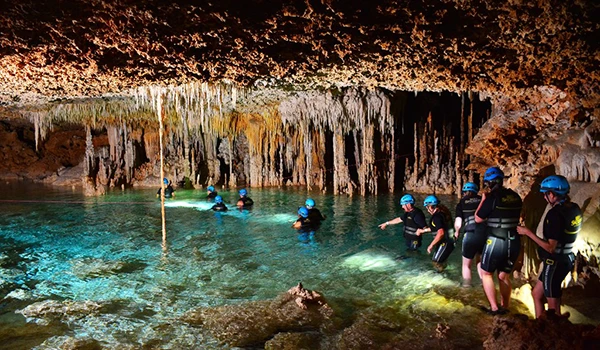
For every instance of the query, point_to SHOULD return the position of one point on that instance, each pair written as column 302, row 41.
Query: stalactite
column 341, row 178
column 366, row 171
column 391, row 152
column 198, row 116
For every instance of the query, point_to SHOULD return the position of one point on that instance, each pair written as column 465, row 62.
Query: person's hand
column 383, row 226
column 524, row 231
column 429, row 249
column 419, row 232
column 456, row 235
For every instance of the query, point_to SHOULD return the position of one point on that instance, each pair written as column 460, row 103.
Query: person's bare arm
column 438, row 237
column 395, row 221
column 549, row 245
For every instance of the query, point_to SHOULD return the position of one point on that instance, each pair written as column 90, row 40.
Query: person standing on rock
column 442, row 243
column 560, row 229
column 474, row 237
column 500, row 210
column 413, row 220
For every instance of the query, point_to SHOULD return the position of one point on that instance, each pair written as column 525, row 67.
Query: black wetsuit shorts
column 443, row 250
column 500, row 254
column 413, row 242
column 554, row 271
column 473, row 243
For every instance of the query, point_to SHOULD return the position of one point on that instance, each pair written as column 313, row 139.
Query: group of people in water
column 490, row 220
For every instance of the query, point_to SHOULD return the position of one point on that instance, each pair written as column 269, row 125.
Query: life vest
column 571, row 214
column 410, row 226
column 505, row 216
column 469, row 206
column 434, row 229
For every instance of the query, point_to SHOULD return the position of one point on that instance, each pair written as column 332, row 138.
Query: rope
column 65, row 202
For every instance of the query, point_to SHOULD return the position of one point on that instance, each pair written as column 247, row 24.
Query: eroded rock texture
column 83, row 48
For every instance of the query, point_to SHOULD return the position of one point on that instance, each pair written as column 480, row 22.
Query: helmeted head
column 493, row 173
column 492, row 177
column 556, row 184
column 243, row 192
column 470, row 187
column 218, row 199
column 309, row 203
column 210, row 188
column 166, row 181
column 407, row 199
column 303, row 212
column 431, row 201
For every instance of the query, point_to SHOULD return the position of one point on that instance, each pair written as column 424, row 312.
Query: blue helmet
column 165, row 181
column 555, row 183
column 470, row 187
column 493, row 173
column 243, row 192
column 431, row 200
column 210, row 188
column 218, row 199
column 310, row 202
column 407, row 199
column 302, row 211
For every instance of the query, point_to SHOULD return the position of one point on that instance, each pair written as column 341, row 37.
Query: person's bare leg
column 479, row 270
column 554, row 303
column 538, row 299
column 505, row 288
column 466, row 271
column 489, row 288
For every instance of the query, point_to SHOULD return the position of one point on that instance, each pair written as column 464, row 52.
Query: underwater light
column 280, row 218
column 365, row 261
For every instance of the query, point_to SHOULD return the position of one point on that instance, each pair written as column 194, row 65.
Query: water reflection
column 109, row 249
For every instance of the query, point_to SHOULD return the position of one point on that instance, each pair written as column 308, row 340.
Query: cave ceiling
column 57, row 50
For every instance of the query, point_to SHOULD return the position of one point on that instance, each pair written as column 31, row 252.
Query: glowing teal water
column 57, row 244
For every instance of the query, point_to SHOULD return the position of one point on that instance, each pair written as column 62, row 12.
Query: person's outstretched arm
column 395, row 221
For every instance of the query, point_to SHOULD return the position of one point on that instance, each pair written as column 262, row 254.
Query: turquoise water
column 56, row 244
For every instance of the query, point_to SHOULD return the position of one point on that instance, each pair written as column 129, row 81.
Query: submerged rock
column 49, row 310
column 88, row 267
column 298, row 310
column 70, row 343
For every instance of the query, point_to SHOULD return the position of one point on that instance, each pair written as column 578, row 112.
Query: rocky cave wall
column 345, row 141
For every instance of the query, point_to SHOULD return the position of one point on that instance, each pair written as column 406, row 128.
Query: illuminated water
column 56, row 244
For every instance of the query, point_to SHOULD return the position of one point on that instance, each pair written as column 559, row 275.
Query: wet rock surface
column 255, row 323
column 519, row 332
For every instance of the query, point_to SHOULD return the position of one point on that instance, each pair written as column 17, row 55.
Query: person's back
column 500, row 211
column 314, row 214
column 504, row 213
column 219, row 205
column 465, row 209
column 169, row 191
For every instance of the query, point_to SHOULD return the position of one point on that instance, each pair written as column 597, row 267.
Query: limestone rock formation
column 256, row 322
